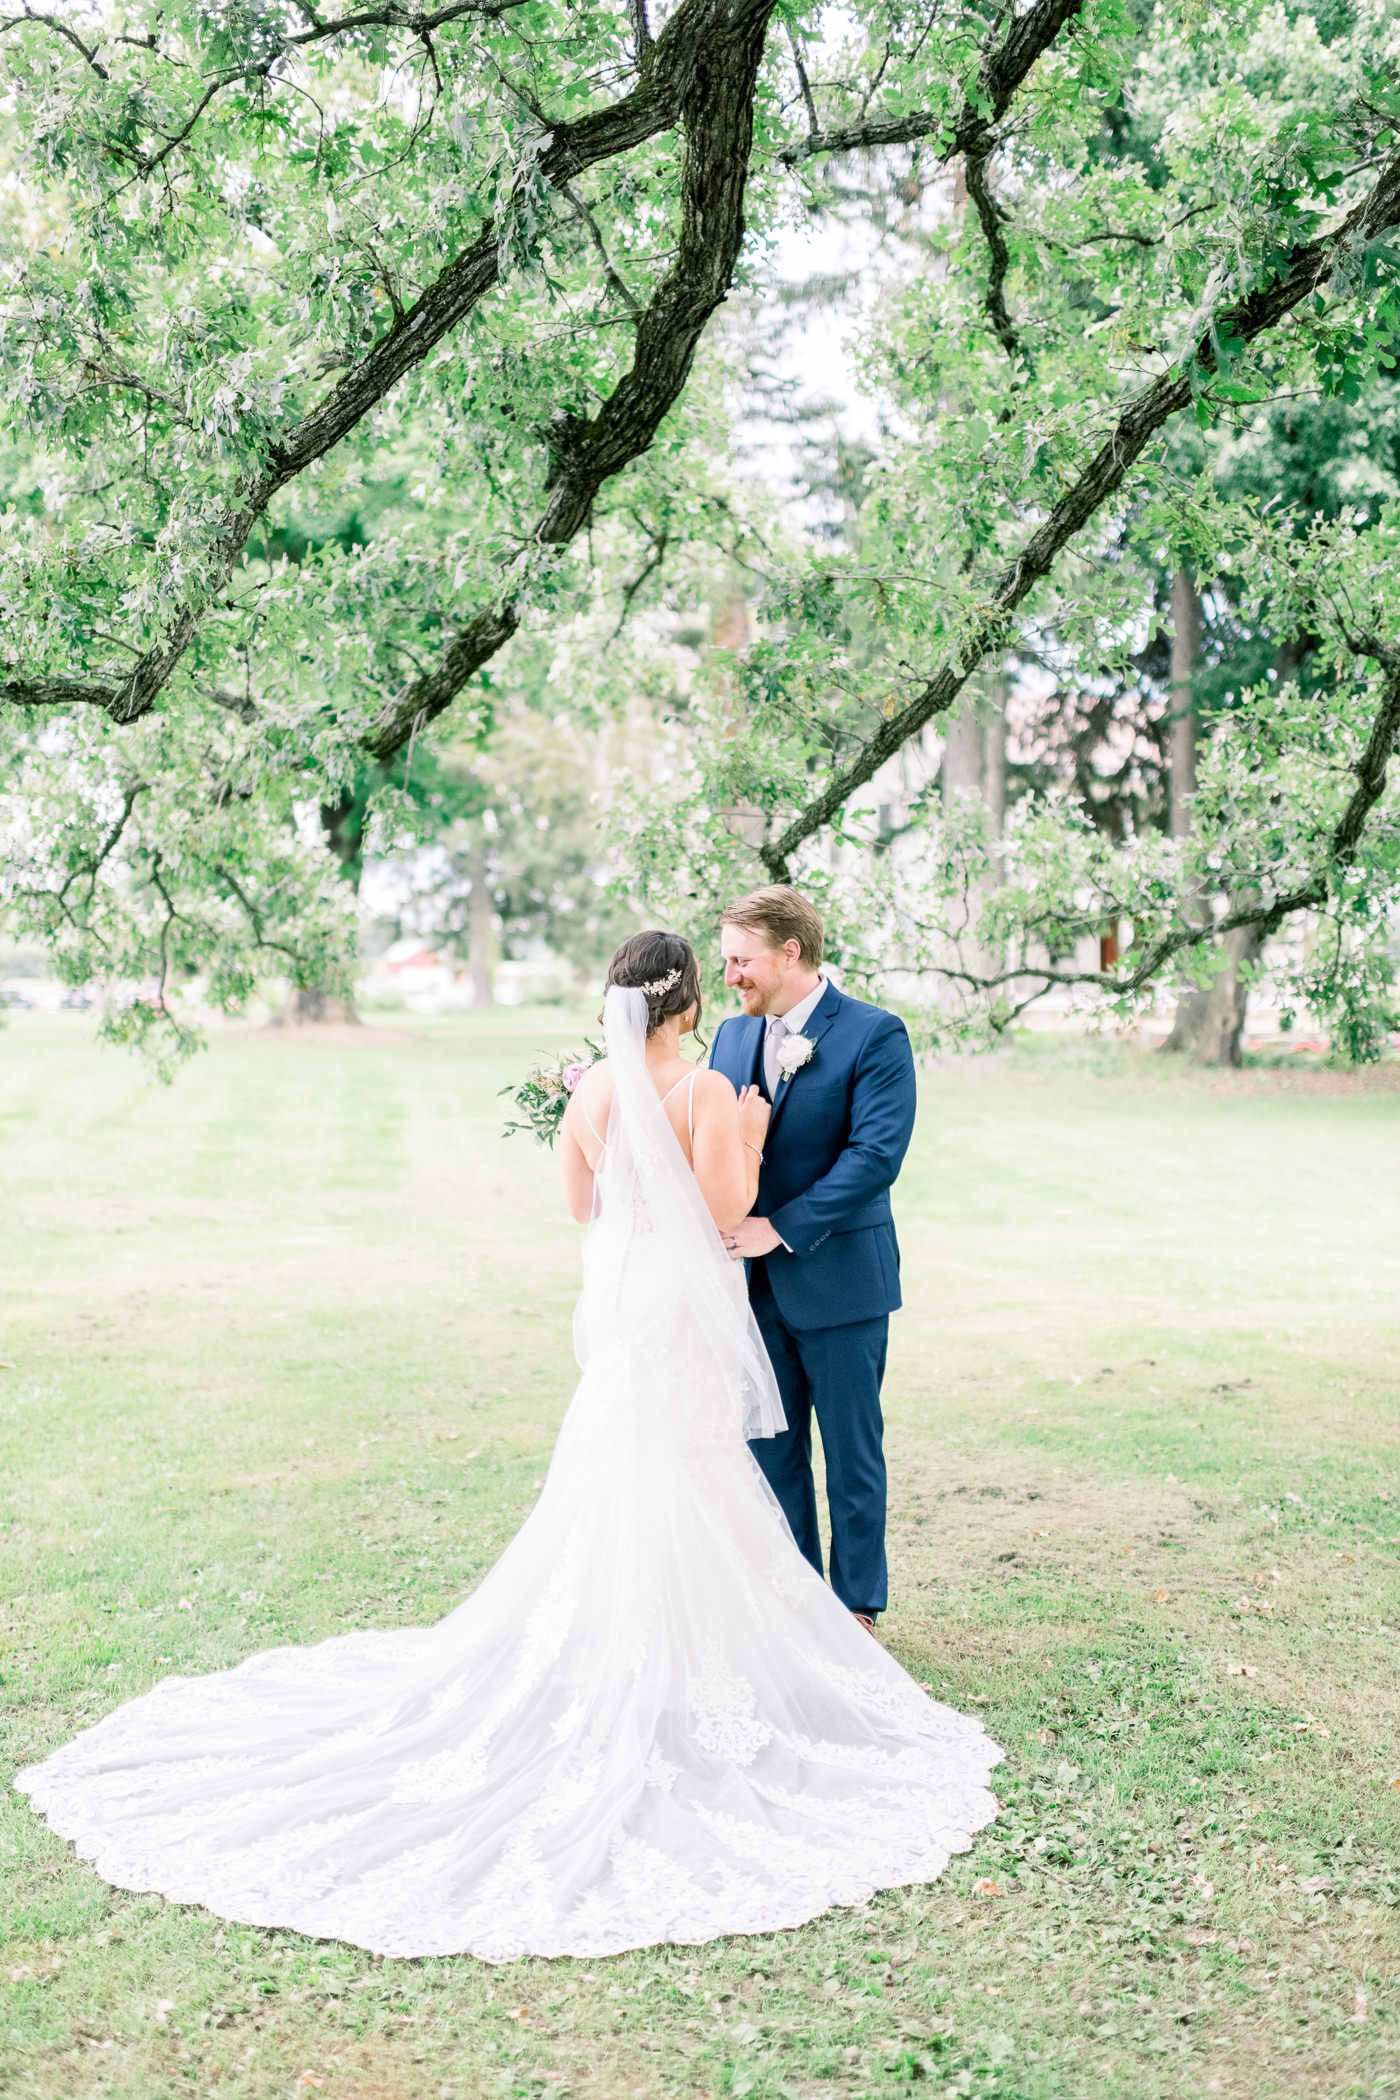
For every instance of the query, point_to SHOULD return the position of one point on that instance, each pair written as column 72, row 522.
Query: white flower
column 793, row 1053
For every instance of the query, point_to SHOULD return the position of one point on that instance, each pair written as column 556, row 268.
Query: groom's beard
column 758, row 999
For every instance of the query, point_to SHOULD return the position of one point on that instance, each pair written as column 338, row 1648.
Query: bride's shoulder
column 713, row 1086
column 591, row 1085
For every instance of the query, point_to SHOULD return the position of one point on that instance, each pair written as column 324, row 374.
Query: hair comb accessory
column 661, row 986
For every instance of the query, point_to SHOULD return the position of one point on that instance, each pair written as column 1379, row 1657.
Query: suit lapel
column 746, row 1062
column 754, row 1058
column 823, row 1014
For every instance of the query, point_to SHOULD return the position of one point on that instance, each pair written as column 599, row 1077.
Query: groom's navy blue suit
column 839, row 1131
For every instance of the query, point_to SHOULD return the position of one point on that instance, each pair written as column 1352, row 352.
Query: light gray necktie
column 777, row 1029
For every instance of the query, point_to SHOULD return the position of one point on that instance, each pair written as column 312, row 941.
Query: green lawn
column 285, row 1351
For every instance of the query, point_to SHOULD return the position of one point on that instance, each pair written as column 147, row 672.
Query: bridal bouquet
column 543, row 1094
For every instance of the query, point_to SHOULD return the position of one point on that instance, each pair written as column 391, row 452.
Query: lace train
column 652, row 1722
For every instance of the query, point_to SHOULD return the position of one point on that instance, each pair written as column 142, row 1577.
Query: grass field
column 285, row 1350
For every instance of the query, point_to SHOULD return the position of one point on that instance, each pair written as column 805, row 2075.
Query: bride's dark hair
column 665, row 967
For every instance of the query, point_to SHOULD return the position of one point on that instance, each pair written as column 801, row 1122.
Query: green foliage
column 213, row 218
column 543, row 1094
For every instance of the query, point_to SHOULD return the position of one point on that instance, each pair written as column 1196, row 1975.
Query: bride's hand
column 754, row 1112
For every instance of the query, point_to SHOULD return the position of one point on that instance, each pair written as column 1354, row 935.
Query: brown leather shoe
column 863, row 1618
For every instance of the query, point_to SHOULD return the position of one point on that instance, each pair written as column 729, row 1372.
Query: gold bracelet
column 754, row 1148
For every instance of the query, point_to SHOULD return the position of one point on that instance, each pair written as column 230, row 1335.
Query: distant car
column 10, row 996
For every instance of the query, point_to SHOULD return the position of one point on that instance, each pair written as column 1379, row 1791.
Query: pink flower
column 571, row 1075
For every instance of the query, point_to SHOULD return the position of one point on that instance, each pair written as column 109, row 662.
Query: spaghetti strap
column 690, row 1109
column 690, row 1103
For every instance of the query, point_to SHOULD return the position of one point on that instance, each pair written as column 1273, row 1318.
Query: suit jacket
column 839, row 1132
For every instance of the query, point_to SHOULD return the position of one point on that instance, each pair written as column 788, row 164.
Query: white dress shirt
column 777, row 1026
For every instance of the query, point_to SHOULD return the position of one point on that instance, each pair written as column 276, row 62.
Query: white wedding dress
column 651, row 1722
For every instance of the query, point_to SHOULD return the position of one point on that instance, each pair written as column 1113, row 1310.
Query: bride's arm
column 579, row 1148
column 578, row 1175
column 728, row 1147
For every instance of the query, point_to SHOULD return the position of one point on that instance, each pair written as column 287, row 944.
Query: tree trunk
column 964, row 749
column 1219, row 1009
column 482, row 926
column 307, row 1005
column 974, row 762
column 994, row 757
column 343, row 827
column 1181, row 749
column 1195, row 1028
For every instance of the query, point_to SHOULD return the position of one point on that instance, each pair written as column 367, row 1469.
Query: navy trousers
column 836, row 1371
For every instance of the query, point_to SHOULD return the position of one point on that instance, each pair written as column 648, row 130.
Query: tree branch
column 804, row 85
column 1370, row 772
column 717, row 117
column 697, row 32
column 647, row 570
column 59, row 29
column 1305, row 269
column 595, row 234
column 1001, row 75
column 92, row 868
column 989, row 212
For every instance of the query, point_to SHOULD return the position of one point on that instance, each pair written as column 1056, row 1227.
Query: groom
column 822, row 1257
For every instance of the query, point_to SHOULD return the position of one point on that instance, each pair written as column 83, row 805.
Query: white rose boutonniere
column 793, row 1053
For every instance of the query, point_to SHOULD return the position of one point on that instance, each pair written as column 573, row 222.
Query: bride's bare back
column 720, row 1133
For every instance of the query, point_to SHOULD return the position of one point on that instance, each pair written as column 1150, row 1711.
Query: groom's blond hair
column 780, row 915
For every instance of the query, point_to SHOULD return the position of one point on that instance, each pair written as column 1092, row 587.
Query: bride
column 652, row 1721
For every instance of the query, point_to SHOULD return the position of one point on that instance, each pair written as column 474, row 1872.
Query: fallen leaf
column 1161, row 1597
column 310, row 2078
column 1316, row 1885
column 1358, row 2005
column 744, row 2033
column 1207, row 1888
column 1241, row 1670
column 986, row 1887
column 1200, row 1939
column 518, row 2012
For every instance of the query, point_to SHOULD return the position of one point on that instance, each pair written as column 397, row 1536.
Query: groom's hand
column 750, row 1238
